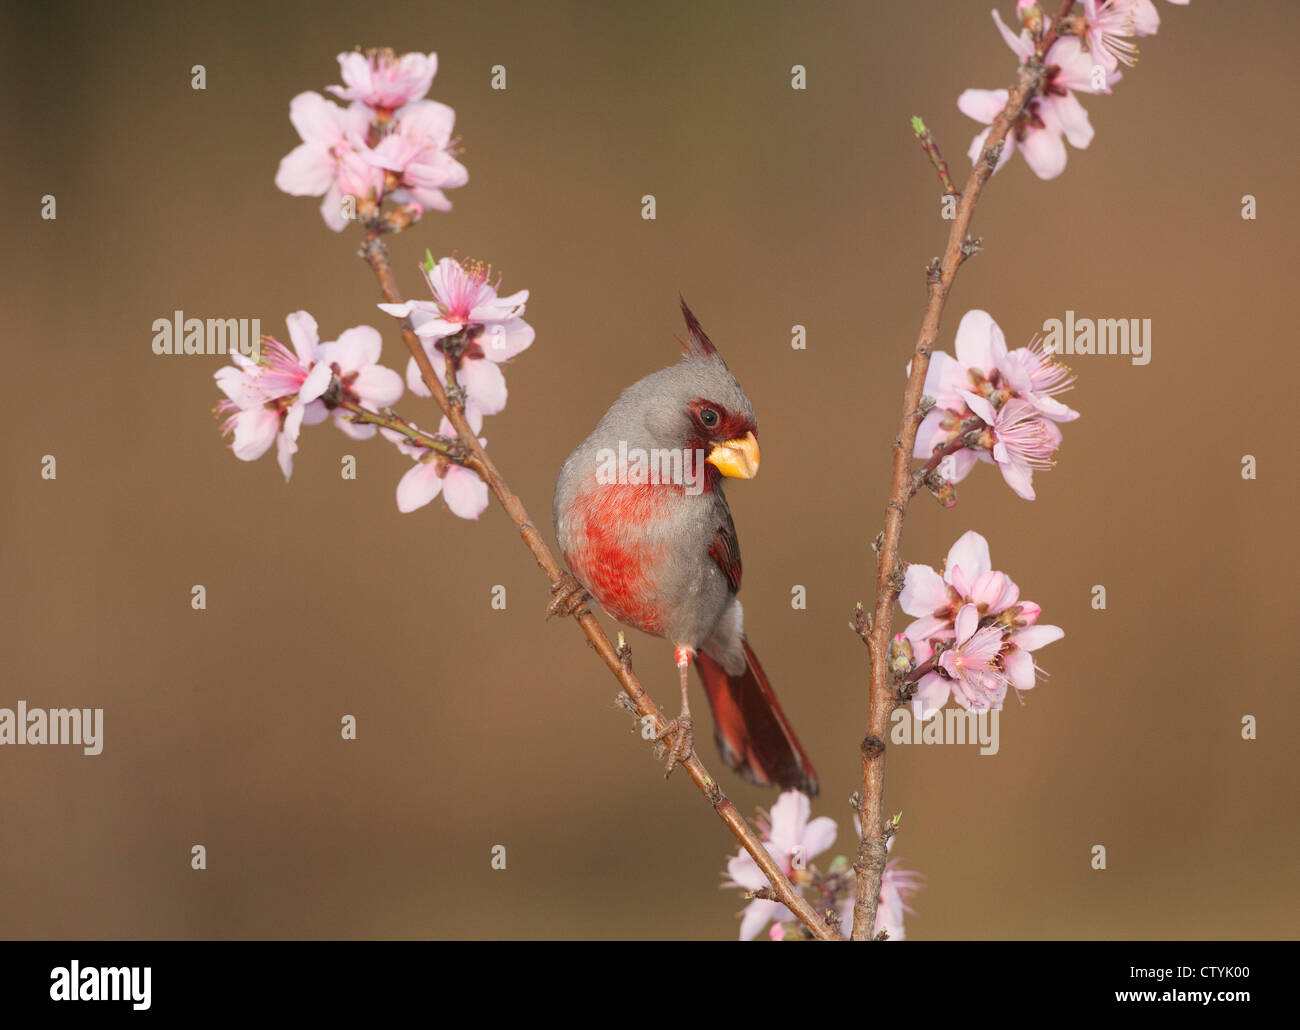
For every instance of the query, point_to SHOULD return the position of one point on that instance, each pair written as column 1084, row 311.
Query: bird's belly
column 619, row 555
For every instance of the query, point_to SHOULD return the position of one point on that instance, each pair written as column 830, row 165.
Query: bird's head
column 697, row 406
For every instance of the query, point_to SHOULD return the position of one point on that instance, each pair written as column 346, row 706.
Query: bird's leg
column 680, row 729
column 570, row 596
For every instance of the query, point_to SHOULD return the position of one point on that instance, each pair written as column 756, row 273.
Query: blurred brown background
column 480, row 727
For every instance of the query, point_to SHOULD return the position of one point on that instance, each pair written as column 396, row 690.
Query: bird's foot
column 678, row 738
column 570, row 597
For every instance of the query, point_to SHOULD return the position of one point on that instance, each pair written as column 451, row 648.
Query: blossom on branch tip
column 466, row 302
column 381, row 79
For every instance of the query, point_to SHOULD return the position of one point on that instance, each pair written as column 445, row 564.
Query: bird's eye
column 709, row 417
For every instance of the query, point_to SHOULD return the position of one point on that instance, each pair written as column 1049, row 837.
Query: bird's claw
column 570, row 597
column 681, row 746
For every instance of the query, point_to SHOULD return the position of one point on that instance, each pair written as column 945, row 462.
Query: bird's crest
column 697, row 343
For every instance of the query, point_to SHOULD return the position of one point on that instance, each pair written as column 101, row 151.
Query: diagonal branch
column 870, row 864
column 376, row 255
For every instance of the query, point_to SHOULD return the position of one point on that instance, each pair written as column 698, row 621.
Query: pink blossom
column 985, row 366
column 268, row 401
column 791, row 838
column 329, row 160
column 466, row 297
column 1025, row 637
column 970, row 584
column 1048, row 119
column 1022, row 441
column 968, row 578
column 969, row 671
column 1023, row 383
column 465, row 493
column 417, row 150
column 974, row 664
column 381, row 79
column 1109, row 27
column 352, row 359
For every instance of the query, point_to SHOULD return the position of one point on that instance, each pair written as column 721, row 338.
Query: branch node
column 971, row 246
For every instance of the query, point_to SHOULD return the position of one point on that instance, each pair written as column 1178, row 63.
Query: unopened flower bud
column 902, row 659
column 1031, row 16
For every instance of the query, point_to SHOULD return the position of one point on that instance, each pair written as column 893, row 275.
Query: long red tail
column 750, row 729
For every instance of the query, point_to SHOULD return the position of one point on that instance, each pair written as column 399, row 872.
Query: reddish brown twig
column 376, row 255
column 931, row 149
column 870, row 864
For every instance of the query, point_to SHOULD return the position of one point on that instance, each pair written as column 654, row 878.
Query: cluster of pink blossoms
column 387, row 143
column 268, row 401
column 1085, row 61
column 793, row 840
column 971, row 622
column 993, row 405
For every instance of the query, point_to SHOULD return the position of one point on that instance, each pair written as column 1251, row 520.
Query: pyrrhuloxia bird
column 662, row 556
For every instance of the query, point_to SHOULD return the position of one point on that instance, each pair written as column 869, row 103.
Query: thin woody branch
column 450, row 449
column 870, row 863
column 931, row 149
column 376, row 255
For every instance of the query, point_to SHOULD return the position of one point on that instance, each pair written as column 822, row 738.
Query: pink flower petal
column 316, row 383
column 931, row 695
column 466, row 495
column 819, row 836
column 306, row 171
column 924, row 591
column 1032, row 638
column 304, row 335
column 982, row 104
column 418, row 487
column 1044, row 152
column 378, row 387
column 317, row 120
column 979, row 342
column 255, row 431
column 971, row 554
column 502, row 341
column 1019, row 669
column 484, row 382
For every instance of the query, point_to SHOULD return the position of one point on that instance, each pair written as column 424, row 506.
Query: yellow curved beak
column 737, row 459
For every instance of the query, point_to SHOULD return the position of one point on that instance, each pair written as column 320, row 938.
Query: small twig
column 450, row 449
column 932, row 151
